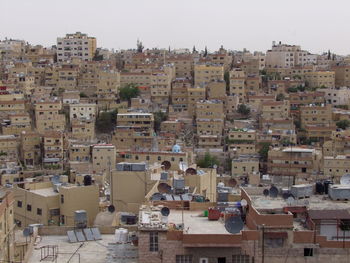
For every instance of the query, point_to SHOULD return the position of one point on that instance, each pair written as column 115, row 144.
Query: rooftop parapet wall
column 255, row 218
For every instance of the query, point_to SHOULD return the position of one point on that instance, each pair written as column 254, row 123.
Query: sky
column 316, row 25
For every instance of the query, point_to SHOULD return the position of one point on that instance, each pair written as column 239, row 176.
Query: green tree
column 159, row 117
column 128, row 92
column 264, row 151
column 301, row 88
column 106, row 121
column 208, row 161
column 194, row 49
column 205, row 52
column 292, row 90
column 243, row 109
column 139, row 46
column 83, row 95
column 280, row 97
column 343, row 124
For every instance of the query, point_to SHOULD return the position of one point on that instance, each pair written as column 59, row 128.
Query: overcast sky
column 316, row 25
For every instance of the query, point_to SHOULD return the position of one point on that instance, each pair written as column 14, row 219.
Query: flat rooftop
column 195, row 223
column 45, row 192
column 102, row 251
column 314, row 202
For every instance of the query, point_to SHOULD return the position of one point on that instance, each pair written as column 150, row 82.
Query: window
column 19, row 203
column 240, row 259
column 62, row 220
column 183, row 258
column 308, row 252
column 153, row 241
column 62, row 199
column 159, row 158
column 29, row 208
column 39, row 211
column 274, row 242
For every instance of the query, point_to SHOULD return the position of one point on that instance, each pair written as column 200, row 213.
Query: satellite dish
column 164, row 188
column 165, row 211
column 306, row 202
column 234, row 224
column 232, row 182
column 157, row 197
column 285, row 196
column 27, row 231
column 266, row 192
column 273, row 191
column 345, row 179
column 244, row 202
column 191, row 171
column 111, row 208
column 55, row 179
column 166, row 165
column 290, row 200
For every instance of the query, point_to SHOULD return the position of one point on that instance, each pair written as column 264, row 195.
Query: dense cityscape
column 162, row 155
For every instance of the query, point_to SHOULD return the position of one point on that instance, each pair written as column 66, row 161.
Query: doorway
column 221, row 260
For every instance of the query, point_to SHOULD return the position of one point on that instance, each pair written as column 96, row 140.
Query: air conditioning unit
column 203, row 260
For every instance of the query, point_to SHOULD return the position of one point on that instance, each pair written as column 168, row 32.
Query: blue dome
column 176, row 148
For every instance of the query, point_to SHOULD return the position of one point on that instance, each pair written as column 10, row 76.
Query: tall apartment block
column 76, row 45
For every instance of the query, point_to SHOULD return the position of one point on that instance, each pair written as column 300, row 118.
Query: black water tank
column 87, row 180
column 319, row 188
column 326, row 186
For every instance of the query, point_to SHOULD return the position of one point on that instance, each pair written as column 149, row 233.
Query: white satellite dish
column 244, row 202
column 345, row 179
column 290, row 200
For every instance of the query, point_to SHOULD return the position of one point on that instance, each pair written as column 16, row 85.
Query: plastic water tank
column 121, row 235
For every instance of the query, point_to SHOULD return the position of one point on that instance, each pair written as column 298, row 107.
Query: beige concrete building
column 319, row 79
column 316, row 115
column 83, row 130
column 241, row 141
column 17, row 123
column 244, row 166
column 7, row 226
column 285, row 56
column 205, row 73
column 237, row 84
column 336, row 166
column 41, row 203
column 169, row 159
column 183, row 65
column 53, row 147
column 179, row 95
column 137, row 78
column 194, row 95
column 8, row 146
column 134, row 130
column 103, row 158
column 296, row 162
column 130, row 183
column 216, row 90
column 82, row 111
column 210, row 123
column 76, row 45
column 337, row 96
column 48, row 116
column 276, row 110
column 30, row 149
column 342, row 75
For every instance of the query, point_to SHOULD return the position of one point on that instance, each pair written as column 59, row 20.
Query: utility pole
column 263, row 244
